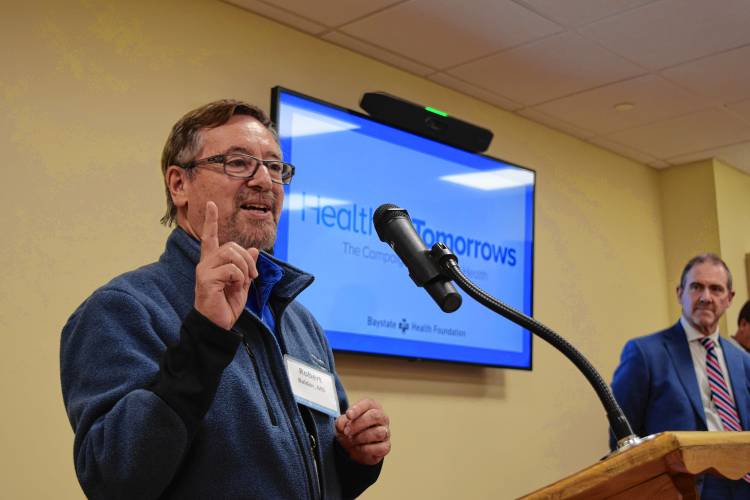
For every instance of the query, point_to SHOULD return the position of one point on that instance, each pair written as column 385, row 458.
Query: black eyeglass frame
column 222, row 160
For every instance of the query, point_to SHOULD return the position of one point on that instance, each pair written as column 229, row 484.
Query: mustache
column 704, row 307
column 248, row 195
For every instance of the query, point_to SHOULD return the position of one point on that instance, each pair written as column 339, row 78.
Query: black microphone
column 394, row 227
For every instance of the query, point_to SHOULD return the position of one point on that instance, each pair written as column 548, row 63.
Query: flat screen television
column 348, row 164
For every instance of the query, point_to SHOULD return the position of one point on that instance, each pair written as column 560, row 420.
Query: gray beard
column 261, row 235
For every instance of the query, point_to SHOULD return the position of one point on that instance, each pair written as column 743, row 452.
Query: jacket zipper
column 254, row 362
column 311, row 481
column 312, row 475
column 314, row 451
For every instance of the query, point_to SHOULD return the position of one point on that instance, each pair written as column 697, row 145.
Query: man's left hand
column 364, row 432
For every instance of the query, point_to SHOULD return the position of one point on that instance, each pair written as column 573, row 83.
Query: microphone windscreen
column 386, row 212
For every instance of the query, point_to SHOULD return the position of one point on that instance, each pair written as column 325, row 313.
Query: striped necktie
column 720, row 395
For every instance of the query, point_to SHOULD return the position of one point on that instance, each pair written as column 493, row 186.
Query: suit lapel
column 677, row 346
column 735, row 366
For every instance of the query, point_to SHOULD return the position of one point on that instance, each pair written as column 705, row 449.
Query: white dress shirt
column 698, row 353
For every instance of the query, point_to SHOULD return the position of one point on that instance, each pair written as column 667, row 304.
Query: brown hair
column 744, row 313
column 184, row 140
column 700, row 259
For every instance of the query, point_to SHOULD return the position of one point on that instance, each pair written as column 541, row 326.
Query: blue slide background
column 347, row 166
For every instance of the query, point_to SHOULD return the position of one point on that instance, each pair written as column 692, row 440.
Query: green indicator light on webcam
column 436, row 111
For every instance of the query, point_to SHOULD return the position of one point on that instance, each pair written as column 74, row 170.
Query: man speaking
column 199, row 375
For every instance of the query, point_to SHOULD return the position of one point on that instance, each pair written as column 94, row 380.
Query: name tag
column 312, row 386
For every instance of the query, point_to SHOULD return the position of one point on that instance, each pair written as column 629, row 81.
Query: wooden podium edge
column 670, row 453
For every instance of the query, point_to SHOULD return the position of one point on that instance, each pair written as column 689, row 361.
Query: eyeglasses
column 244, row 166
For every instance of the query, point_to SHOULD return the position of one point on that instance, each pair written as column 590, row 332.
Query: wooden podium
column 663, row 466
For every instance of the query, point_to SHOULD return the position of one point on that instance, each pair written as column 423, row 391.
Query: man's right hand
column 223, row 275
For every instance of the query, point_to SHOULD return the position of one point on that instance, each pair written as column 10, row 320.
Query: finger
column 226, row 275
column 371, row 418
column 371, row 454
column 341, row 423
column 234, row 254
column 210, row 232
column 249, row 257
column 376, row 434
column 252, row 253
column 361, row 407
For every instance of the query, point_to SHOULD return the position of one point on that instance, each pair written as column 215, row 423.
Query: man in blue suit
column 662, row 383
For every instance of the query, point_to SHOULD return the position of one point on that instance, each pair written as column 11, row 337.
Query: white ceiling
column 682, row 66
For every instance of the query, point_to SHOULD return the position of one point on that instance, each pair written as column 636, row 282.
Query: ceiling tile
column 333, row 12
column 469, row 89
column 515, row 54
column 741, row 108
column 622, row 150
column 670, row 32
column 443, row 33
column 700, row 131
column 737, row 155
column 547, row 69
column 383, row 55
column 555, row 123
column 653, row 99
column 579, row 12
column 724, row 77
column 279, row 15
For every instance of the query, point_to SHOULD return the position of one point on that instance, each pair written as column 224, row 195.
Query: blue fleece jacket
column 165, row 404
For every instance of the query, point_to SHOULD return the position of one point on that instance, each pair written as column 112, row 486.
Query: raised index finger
column 210, row 233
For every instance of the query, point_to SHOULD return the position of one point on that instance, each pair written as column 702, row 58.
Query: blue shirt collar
column 269, row 274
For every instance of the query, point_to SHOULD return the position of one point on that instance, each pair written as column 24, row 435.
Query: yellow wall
column 733, row 213
column 690, row 221
column 88, row 92
column 706, row 208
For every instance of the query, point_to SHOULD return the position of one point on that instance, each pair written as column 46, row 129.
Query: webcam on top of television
column 426, row 121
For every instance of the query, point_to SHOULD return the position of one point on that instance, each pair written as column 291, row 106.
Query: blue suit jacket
column 656, row 387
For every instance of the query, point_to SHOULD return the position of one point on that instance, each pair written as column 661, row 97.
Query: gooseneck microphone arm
column 620, row 426
column 434, row 269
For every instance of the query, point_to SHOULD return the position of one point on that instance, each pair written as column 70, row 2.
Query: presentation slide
column 481, row 208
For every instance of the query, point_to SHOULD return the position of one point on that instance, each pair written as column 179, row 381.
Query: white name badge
column 312, row 387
